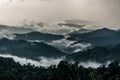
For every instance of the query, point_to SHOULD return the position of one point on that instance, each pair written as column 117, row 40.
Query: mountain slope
column 31, row 50
column 100, row 37
column 13, row 29
column 38, row 36
column 98, row 54
column 81, row 31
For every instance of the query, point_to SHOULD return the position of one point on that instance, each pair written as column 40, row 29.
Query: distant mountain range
column 81, row 31
column 100, row 37
column 24, row 42
column 13, row 29
column 38, row 36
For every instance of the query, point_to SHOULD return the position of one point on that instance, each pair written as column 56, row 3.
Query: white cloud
column 54, row 29
column 93, row 64
column 50, row 61
column 106, row 11
column 6, row 34
column 45, row 62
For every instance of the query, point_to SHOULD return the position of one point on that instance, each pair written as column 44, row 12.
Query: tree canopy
column 10, row 70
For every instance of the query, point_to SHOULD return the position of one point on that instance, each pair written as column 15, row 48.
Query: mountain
column 13, row 29
column 100, row 37
column 71, row 25
column 97, row 54
column 79, row 22
column 58, row 28
column 38, row 36
column 81, row 31
column 31, row 50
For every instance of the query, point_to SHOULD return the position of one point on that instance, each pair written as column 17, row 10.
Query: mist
column 44, row 61
column 14, row 12
column 47, row 62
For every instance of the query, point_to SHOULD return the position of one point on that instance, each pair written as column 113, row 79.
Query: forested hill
column 100, row 37
column 10, row 70
column 31, row 50
column 38, row 36
column 99, row 54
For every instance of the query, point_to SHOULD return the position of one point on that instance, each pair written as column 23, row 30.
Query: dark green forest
column 99, row 54
column 10, row 70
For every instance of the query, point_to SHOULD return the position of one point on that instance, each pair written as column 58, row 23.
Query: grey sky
column 14, row 11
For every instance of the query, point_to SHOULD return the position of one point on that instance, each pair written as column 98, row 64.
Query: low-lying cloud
column 93, row 64
column 45, row 62
column 6, row 34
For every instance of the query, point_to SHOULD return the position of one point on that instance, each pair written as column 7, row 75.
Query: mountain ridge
column 32, row 50
column 100, row 37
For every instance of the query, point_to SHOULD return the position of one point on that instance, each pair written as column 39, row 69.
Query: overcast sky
column 14, row 11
